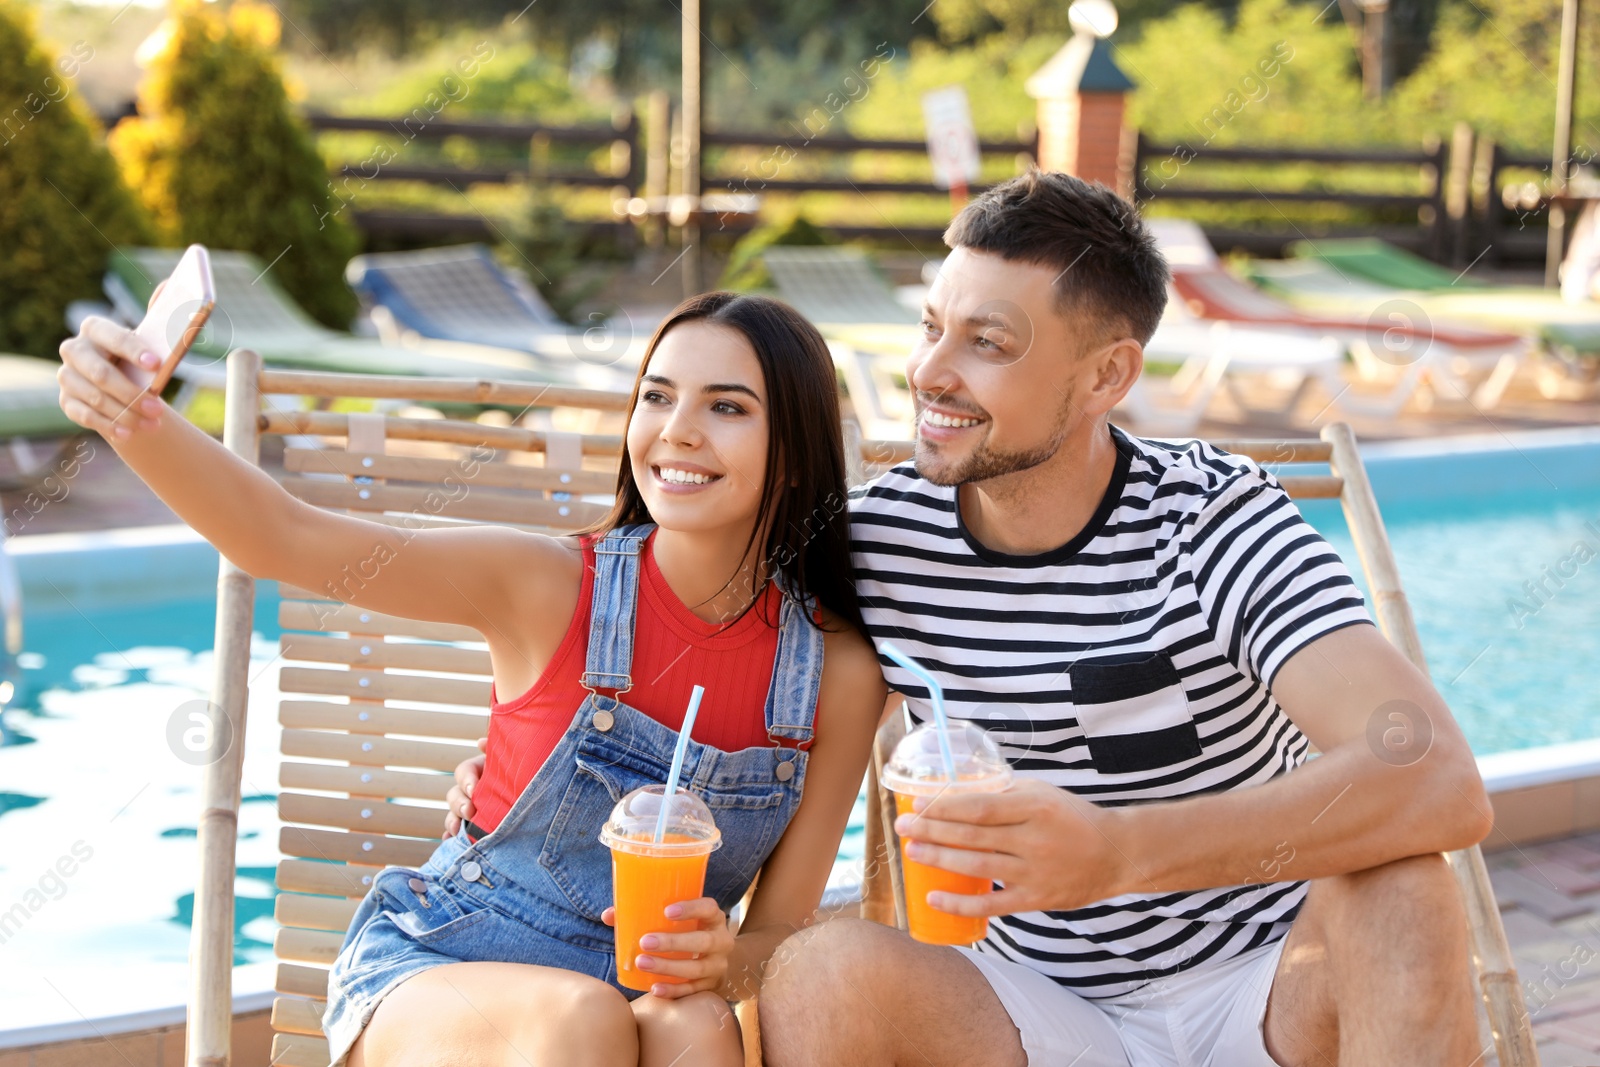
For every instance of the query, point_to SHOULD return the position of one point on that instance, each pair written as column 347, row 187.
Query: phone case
column 175, row 318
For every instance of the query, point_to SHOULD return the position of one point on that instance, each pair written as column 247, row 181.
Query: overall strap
column 796, row 672
column 613, row 608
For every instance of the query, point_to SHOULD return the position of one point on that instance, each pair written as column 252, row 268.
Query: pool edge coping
column 97, row 540
column 259, row 975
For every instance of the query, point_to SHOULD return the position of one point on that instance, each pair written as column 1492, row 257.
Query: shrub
column 567, row 260
column 218, row 156
column 62, row 203
column 745, row 269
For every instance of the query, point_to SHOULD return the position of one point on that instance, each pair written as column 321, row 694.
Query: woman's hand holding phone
column 115, row 400
column 97, row 392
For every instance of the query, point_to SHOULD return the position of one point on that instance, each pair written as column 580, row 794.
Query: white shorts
column 1210, row 1016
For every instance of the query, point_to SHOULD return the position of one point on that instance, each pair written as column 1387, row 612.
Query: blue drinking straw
column 940, row 721
column 677, row 761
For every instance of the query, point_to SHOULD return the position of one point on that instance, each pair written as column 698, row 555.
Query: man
column 1153, row 635
column 1155, row 638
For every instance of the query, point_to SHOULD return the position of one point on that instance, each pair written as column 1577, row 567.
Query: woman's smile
column 675, row 477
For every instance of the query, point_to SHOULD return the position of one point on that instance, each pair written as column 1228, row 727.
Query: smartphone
column 175, row 318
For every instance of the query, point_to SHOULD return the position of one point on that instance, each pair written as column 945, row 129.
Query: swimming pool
column 1498, row 542
column 97, row 814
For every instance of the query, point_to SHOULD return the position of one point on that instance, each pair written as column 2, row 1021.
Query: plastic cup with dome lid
column 918, row 770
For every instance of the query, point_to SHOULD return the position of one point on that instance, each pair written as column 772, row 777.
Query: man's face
column 998, row 372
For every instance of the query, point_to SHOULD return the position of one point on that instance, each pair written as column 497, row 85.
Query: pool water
column 1500, row 559
column 98, row 816
column 97, row 813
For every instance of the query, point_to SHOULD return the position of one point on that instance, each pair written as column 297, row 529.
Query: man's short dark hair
column 1110, row 268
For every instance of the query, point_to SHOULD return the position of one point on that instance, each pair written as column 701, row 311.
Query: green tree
column 992, row 72
column 1272, row 76
column 1494, row 64
column 62, row 203
column 642, row 36
column 219, row 157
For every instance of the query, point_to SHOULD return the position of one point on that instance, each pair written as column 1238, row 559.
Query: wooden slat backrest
column 376, row 709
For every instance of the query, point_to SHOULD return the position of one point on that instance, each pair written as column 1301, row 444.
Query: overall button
column 785, row 770
column 603, row 720
column 471, row 871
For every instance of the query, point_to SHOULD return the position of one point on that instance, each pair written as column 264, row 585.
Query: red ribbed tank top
column 673, row 651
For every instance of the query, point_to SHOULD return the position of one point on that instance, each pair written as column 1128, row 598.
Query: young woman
column 724, row 563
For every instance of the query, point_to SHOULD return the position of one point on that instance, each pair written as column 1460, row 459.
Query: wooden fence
column 833, row 147
column 622, row 171
column 1467, row 205
column 1464, row 209
column 524, row 150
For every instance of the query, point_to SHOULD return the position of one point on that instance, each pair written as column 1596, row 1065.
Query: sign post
column 952, row 142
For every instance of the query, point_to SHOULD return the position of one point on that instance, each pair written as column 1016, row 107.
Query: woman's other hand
column 710, row 946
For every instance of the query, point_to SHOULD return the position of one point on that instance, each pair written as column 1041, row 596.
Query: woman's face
column 698, row 437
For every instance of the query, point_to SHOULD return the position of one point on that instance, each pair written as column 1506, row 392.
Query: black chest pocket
column 1133, row 712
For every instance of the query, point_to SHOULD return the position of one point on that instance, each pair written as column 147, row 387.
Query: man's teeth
column 678, row 477
column 933, row 418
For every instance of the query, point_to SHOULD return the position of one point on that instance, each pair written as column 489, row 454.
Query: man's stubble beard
column 985, row 464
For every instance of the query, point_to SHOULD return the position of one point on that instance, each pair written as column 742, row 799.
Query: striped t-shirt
column 1133, row 663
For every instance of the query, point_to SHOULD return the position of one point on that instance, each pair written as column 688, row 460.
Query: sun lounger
column 1383, row 264
column 1331, row 270
column 835, row 286
column 1347, row 277
column 29, row 399
column 876, row 387
column 871, row 360
column 30, row 411
column 461, row 294
column 1392, row 349
column 253, row 312
column 1213, row 355
column 354, row 741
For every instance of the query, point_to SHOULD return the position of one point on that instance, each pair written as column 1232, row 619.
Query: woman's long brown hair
column 808, row 527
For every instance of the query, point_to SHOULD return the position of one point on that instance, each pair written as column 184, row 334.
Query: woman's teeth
column 933, row 418
column 678, row 477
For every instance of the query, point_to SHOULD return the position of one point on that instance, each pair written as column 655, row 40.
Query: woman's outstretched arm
column 462, row 575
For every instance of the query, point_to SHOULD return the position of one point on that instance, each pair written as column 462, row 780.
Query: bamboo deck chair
column 883, row 892
column 376, row 710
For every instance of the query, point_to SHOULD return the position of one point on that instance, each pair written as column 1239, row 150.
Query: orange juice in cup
column 647, row 875
column 919, row 769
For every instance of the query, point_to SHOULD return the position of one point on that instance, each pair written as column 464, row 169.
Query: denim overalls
column 532, row 890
